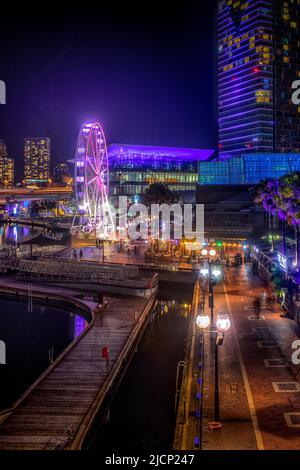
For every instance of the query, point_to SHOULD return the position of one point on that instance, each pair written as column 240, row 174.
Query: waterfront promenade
column 128, row 257
column 59, row 409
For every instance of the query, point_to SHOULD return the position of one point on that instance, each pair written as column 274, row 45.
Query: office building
column 6, row 168
column 133, row 168
column 258, row 59
column 37, row 161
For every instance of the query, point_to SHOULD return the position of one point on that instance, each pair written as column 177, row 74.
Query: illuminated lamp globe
column 204, row 272
column 216, row 272
column 223, row 323
column 203, row 321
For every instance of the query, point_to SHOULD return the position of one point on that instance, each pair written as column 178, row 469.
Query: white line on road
column 275, row 362
column 286, row 387
column 258, row 436
column 266, row 344
column 255, row 317
column 260, row 329
column 289, row 419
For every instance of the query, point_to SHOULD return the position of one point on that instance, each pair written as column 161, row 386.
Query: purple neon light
column 79, row 324
column 145, row 151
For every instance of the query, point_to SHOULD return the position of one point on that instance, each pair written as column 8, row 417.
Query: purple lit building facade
column 134, row 167
column 258, row 59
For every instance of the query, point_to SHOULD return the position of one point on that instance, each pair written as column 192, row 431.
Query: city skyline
column 136, row 88
column 150, row 249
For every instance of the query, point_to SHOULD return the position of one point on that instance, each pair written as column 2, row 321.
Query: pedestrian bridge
column 84, row 274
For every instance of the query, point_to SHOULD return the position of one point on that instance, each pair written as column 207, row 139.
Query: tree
column 282, row 197
column 159, row 193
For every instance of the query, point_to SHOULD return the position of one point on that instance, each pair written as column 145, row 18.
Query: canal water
column 12, row 234
column 29, row 337
column 142, row 416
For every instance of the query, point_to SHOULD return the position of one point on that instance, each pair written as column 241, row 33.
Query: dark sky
column 146, row 72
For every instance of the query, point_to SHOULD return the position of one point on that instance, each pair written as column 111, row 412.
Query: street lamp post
column 222, row 325
column 217, row 393
column 219, row 327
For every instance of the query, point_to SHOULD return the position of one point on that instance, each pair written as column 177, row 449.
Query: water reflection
column 170, row 306
column 142, row 414
column 12, row 234
column 29, row 336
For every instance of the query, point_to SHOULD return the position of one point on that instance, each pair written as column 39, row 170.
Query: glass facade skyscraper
column 258, row 59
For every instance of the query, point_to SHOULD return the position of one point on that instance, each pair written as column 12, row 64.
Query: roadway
column 259, row 387
column 29, row 194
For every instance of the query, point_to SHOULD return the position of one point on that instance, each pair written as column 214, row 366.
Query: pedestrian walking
column 105, row 355
column 257, row 306
column 81, row 254
column 74, row 254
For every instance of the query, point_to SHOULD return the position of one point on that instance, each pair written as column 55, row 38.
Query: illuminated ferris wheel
column 91, row 184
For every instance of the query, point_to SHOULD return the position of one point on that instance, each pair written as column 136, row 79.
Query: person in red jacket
column 105, row 355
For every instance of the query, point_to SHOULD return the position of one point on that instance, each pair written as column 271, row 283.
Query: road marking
column 275, row 362
column 266, row 344
column 286, row 387
column 254, row 317
column 289, row 419
column 260, row 329
column 258, row 436
column 248, row 307
column 247, row 299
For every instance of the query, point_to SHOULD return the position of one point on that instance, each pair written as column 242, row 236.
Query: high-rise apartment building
column 258, row 59
column 6, row 168
column 36, row 161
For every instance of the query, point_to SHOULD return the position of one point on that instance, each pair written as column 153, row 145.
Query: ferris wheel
column 92, row 184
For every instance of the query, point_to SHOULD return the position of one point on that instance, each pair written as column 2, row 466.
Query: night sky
column 147, row 73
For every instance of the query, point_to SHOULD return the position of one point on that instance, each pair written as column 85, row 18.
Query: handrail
column 90, row 416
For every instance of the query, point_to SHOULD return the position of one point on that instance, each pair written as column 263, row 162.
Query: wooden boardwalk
column 60, row 408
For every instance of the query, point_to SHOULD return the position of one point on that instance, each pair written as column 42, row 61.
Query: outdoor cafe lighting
column 212, row 252
column 204, row 252
column 203, row 321
column 223, row 323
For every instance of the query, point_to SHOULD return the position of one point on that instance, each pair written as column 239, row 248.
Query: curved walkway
column 50, row 414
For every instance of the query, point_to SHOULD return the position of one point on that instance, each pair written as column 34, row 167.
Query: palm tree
column 282, row 197
column 266, row 196
column 291, row 202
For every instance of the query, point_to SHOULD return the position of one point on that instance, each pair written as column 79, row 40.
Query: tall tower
column 258, row 60
column 286, row 70
column 6, row 168
column 37, row 160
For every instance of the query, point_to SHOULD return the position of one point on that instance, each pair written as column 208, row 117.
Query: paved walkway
column 91, row 253
column 260, row 391
column 50, row 416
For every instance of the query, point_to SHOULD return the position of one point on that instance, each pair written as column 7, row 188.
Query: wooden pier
column 58, row 410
